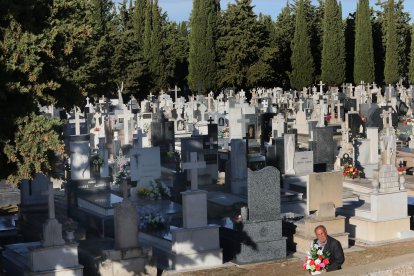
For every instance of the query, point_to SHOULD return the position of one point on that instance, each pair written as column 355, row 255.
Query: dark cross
column 225, row 113
column 210, row 120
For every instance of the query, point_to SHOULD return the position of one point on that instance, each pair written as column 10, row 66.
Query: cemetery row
column 176, row 184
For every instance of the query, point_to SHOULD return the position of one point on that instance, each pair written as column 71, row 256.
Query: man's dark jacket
column 337, row 258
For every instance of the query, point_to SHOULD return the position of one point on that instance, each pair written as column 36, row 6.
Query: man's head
column 321, row 233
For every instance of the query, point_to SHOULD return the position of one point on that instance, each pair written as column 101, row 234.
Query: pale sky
column 179, row 10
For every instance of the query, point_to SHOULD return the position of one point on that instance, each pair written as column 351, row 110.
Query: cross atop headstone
column 210, row 143
column 140, row 134
column 321, row 85
column 209, row 98
column 78, row 121
column 210, row 120
column 87, row 101
column 193, row 165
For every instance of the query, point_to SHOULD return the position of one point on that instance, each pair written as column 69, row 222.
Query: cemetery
column 139, row 201
column 154, row 180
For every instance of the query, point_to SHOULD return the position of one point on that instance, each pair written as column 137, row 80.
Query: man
column 331, row 245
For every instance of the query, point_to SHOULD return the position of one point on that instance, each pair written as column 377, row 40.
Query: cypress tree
column 285, row 27
column 391, row 74
column 364, row 52
column 139, row 20
column 302, row 61
column 156, row 54
column 146, row 49
column 333, row 51
column 202, row 56
column 411, row 67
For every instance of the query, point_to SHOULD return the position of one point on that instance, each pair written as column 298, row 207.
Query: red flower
column 304, row 266
column 312, row 262
column 404, row 122
column 317, row 267
column 320, row 258
column 344, row 174
column 326, row 261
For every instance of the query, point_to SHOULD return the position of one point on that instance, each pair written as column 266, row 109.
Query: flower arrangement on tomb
column 156, row 191
column 237, row 222
column 351, row 171
column 97, row 160
column 226, row 132
column 317, row 260
column 70, row 225
column 152, row 222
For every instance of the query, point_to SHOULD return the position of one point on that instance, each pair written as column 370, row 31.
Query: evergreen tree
column 391, row 55
column 364, row 53
column 156, row 56
column 146, row 49
column 403, row 32
column 176, row 52
column 411, row 68
column 333, row 53
column 139, row 20
column 302, row 61
column 284, row 28
column 202, row 56
column 349, row 47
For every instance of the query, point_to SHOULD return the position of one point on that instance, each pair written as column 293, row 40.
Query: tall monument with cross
column 201, row 252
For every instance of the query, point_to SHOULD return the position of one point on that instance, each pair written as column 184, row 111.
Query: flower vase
column 70, row 235
column 316, row 272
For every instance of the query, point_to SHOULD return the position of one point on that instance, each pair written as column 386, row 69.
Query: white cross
column 78, row 121
column 209, row 98
column 126, row 117
column 321, row 85
column 243, row 121
column 193, row 165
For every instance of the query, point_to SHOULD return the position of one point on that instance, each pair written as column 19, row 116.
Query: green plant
column 156, row 191
column 143, row 193
column 97, row 160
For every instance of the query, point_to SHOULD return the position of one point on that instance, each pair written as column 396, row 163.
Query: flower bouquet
column 152, row 222
column 316, row 261
column 351, row 172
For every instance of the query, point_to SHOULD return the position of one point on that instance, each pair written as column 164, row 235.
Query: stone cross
column 193, row 165
column 139, row 136
column 77, row 121
column 243, row 122
column 209, row 98
column 210, row 120
column 126, row 117
column 321, row 85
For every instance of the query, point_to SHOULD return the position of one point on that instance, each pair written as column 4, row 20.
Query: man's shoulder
column 332, row 240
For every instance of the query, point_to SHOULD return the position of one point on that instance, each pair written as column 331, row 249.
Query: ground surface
column 357, row 256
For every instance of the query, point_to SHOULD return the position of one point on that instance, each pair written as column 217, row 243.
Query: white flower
column 315, row 246
column 308, row 267
column 317, row 261
column 320, row 252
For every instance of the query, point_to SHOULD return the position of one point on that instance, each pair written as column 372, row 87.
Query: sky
column 179, row 10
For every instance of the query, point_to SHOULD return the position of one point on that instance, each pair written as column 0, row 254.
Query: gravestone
column 323, row 147
column 303, row 162
column 145, row 165
column 238, row 167
column 197, row 244
column 323, row 195
column 79, row 158
column 51, row 256
column 262, row 225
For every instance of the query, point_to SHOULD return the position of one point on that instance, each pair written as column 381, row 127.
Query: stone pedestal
column 126, row 262
column 195, row 248
column 265, row 242
column 194, row 208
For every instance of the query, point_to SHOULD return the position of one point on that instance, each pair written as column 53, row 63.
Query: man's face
column 321, row 235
